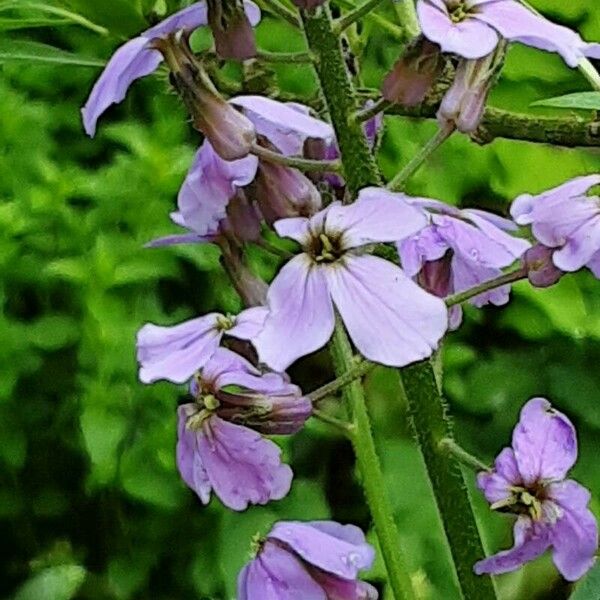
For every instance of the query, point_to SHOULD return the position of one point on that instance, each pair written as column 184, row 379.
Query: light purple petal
column 176, row 353
column 515, row 22
column 496, row 484
column 575, row 534
column 426, row 246
column 469, row 38
column 284, row 126
column 581, row 246
column 495, row 228
column 189, row 18
column 467, row 273
column 327, row 552
column 301, row 318
column 209, row 185
column 376, row 216
column 337, row 588
column 529, row 544
column 182, row 238
column 132, row 60
column 594, row 265
column 276, row 574
column 477, row 216
column 243, row 468
column 189, row 463
column 224, row 362
column 249, row 323
column 544, row 441
column 390, row 319
column 296, row 228
column 592, row 51
column 347, row 533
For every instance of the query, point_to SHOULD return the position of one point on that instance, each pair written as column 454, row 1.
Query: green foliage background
column 91, row 505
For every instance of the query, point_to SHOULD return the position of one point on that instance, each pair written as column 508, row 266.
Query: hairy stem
column 358, row 13
column 359, row 370
column 425, row 399
column 371, row 474
column 462, row 456
column 415, row 163
column 368, row 113
column 304, row 164
column 284, row 57
column 486, row 286
column 344, row 427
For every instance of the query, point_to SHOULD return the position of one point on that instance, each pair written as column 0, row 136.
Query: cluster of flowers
column 235, row 365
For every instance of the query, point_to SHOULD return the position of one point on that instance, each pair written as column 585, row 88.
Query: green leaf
column 582, row 100
column 53, row 332
column 36, row 52
column 55, row 583
column 589, row 587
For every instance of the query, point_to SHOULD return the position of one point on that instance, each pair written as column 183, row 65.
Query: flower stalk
column 352, row 374
column 304, row 164
column 462, row 456
column 358, row 13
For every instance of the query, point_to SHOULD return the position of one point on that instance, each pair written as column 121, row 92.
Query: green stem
column 370, row 469
column 486, row 286
column 380, row 21
column 368, row 113
column 588, row 70
column 426, row 402
column 281, row 11
column 304, row 164
column 462, row 456
column 284, row 57
column 431, row 427
column 358, row 13
column 344, row 427
column 356, row 372
column 399, row 181
column 407, row 16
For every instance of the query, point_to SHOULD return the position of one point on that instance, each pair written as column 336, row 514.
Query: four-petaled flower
column 390, row 319
column 313, row 560
column 460, row 249
column 176, row 353
column 217, row 452
column 473, row 28
column 566, row 220
column 529, row 480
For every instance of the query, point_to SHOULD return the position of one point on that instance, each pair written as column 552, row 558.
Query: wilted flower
column 309, row 560
column 567, row 220
column 176, row 353
column 139, row 57
column 218, row 447
column 473, row 28
column 389, row 318
column 529, row 481
column 541, row 271
column 232, row 28
column 458, row 250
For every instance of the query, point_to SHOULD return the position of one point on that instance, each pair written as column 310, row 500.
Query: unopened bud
column 414, row 73
column 541, row 271
column 231, row 29
column 243, row 219
column 435, row 276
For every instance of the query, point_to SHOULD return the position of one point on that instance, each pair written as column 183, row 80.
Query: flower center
column 459, row 12
column 225, row 322
column 523, row 501
column 325, row 248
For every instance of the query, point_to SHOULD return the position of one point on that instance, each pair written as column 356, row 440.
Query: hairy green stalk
column 424, row 399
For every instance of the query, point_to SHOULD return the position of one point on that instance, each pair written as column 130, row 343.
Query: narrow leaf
column 589, row 587
column 582, row 100
column 36, row 52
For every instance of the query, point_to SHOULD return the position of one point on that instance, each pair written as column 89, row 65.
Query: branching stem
column 461, row 455
column 358, row 13
column 360, row 370
column 304, row 164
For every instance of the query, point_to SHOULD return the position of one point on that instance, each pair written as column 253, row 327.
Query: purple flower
column 313, row 560
column 219, row 447
column 176, row 353
column 529, row 481
column 389, row 318
column 473, row 28
column 567, row 220
column 138, row 58
column 458, row 250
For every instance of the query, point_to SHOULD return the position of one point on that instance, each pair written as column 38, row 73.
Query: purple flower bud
column 313, row 559
column 414, row 73
column 243, row 220
column 541, row 271
column 464, row 102
column 230, row 133
column 529, row 480
column 231, row 23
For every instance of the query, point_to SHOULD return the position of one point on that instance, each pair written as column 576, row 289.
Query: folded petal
column 425, row 246
column 276, row 574
column 176, row 353
column 224, row 362
column 467, row 273
column 580, row 247
column 376, row 216
column 131, row 61
column 496, row 484
column 295, row 228
column 337, row 588
column 181, row 238
column 544, row 441
column 575, row 534
column 594, row 265
column 189, row 18
column 515, row 22
column 243, row 467
column 390, row 319
column 495, row 228
column 529, row 544
column 209, row 186
column 329, row 553
column 249, row 323
column 284, row 126
column 300, row 319
column 469, row 38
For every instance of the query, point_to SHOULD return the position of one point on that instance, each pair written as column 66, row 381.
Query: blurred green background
column 91, row 505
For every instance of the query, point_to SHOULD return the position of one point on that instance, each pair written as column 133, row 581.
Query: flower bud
column 541, row 271
column 243, row 219
column 464, row 102
column 435, row 276
column 230, row 133
column 231, row 29
column 413, row 74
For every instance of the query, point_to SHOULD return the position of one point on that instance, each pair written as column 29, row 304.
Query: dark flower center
column 524, row 501
column 325, row 248
column 225, row 322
